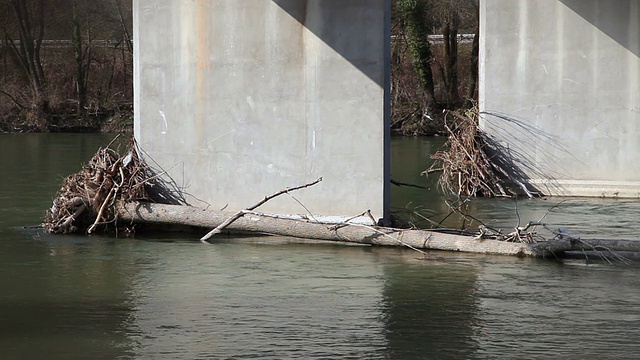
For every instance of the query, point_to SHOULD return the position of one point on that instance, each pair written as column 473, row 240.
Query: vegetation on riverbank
column 65, row 66
column 434, row 62
column 68, row 65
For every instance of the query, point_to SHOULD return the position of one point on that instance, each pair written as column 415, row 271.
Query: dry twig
column 240, row 213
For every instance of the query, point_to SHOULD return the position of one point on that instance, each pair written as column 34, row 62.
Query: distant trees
column 82, row 54
column 69, row 62
column 63, row 60
column 444, row 82
column 25, row 46
column 453, row 16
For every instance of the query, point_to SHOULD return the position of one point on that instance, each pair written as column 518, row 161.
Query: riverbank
column 108, row 122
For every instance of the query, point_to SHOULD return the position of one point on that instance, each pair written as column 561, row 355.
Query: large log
column 602, row 245
column 257, row 223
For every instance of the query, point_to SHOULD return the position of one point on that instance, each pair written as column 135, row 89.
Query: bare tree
column 450, row 38
column 82, row 54
column 26, row 49
column 416, row 22
column 124, row 24
column 451, row 16
column 475, row 50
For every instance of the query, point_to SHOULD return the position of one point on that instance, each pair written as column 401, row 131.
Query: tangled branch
column 86, row 200
column 473, row 164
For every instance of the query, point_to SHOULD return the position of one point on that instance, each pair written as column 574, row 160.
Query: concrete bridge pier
column 238, row 99
column 560, row 84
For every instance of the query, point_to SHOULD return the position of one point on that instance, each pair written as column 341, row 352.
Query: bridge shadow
column 523, row 152
column 335, row 22
column 617, row 19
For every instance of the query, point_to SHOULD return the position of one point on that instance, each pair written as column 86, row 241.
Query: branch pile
column 86, row 201
column 475, row 165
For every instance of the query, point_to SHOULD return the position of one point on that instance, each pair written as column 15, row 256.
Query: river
column 168, row 296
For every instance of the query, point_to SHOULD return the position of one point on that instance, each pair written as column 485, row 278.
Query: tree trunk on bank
column 30, row 24
column 414, row 12
column 78, row 48
column 473, row 84
column 450, row 35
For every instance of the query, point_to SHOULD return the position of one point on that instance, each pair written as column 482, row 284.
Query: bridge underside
column 560, row 85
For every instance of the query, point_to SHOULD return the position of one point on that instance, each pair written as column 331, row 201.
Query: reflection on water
column 171, row 297
column 419, row 296
column 61, row 298
column 259, row 301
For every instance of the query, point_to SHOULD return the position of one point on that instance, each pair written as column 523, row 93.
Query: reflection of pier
column 296, row 302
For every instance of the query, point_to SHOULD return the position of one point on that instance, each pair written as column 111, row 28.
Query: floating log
column 254, row 222
column 150, row 213
column 112, row 189
column 240, row 213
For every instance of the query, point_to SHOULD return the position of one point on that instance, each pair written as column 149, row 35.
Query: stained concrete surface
column 238, row 99
column 560, row 85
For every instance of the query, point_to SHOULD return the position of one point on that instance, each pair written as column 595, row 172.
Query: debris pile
column 87, row 200
column 475, row 165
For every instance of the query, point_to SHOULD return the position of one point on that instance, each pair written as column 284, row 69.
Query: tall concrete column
column 238, row 99
column 560, row 83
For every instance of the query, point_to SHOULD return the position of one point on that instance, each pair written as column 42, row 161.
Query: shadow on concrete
column 335, row 21
column 530, row 156
column 618, row 19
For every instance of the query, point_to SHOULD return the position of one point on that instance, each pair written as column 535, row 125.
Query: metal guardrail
column 439, row 39
column 434, row 39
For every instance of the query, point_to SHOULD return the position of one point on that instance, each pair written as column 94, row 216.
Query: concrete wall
column 566, row 76
column 241, row 98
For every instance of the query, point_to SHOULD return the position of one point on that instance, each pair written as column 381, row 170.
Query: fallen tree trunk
column 602, row 245
column 151, row 213
column 240, row 213
column 252, row 222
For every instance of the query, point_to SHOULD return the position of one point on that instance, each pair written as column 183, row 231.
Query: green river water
column 167, row 296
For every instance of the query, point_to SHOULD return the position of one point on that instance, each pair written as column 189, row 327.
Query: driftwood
column 86, row 200
column 254, row 222
column 473, row 164
column 117, row 190
column 150, row 213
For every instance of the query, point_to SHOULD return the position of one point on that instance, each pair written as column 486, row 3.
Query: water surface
column 168, row 296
